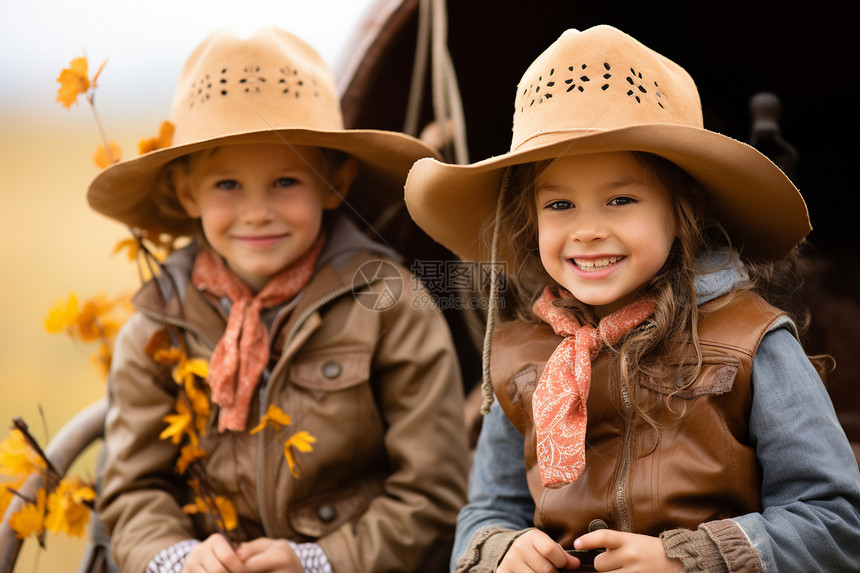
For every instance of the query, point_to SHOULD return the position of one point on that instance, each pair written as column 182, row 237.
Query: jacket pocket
column 331, row 369
column 717, row 376
column 321, row 515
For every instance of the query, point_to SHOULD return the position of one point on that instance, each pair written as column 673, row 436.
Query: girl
column 667, row 416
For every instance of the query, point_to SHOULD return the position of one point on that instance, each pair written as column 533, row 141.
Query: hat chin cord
column 486, row 381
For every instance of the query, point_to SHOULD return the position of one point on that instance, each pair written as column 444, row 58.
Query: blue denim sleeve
column 810, row 519
column 498, row 491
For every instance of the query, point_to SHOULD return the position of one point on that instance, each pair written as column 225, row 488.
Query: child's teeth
column 595, row 264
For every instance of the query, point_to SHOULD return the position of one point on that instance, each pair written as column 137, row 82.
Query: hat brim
column 123, row 191
column 751, row 197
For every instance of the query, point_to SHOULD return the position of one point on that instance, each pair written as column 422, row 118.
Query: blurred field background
column 51, row 243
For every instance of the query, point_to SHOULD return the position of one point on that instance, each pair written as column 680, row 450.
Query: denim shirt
column 810, row 489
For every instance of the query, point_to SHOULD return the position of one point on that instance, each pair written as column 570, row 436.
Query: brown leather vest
column 695, row 467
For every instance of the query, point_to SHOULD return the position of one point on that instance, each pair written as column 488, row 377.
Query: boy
column 273, row 291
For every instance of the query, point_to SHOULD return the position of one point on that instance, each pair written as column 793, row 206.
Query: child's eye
column 559, row 205
column 622, row 201
column 227, row 185
column 285, row 182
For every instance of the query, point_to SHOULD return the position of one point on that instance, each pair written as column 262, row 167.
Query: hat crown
column 271, row 80
column 600, row 79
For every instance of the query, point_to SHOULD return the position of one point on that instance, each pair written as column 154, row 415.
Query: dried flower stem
column 22, row 427
column 91, row 99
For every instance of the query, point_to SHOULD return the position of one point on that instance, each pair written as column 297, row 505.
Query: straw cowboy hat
column 601, row 90
column 269, row 88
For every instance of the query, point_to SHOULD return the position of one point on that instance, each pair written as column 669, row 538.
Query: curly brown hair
column 673, row 327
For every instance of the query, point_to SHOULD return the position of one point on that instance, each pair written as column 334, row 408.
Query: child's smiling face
column 261, row 205
column 605, row 226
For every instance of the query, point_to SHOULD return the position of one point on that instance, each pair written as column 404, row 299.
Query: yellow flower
column 89, row 322
column 6, row 494
column 17, row 457
column 199, row 405
column 105, row 156
column 227, row 516
column 187, row 456
column 160, row 141
column 73, row 82
column 179, row 424
column 274, row 417
column 30, row 520
column 187, row 369
column 62, row 315
column 68, row 511
column 301, row 441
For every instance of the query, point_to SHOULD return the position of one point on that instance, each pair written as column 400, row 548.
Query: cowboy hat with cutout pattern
column 601, row 90
column 269, row 88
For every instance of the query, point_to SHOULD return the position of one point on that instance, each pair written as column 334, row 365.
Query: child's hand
column 535, row 551
column 214, row 555
column 270, row 556
column 629, row 552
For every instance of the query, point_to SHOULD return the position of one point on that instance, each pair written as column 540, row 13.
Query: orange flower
column 91, row 321
column 179, row 424
column 274, row 417
column 68, row 511
column 301, row 441
column 17, row 457
column 105, row 156
column 160, row 141
column 227, row 516
column 187, row 456
column 73, row 82
column 6, row 493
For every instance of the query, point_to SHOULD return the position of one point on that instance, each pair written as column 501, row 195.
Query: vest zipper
column 624, row 465
column 264, row 401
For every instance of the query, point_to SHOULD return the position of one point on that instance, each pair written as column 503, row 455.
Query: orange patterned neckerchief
column 559, row 400
column 243, row 351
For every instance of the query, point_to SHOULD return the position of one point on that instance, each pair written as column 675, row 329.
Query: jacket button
column 331, row 370
column 326, row 512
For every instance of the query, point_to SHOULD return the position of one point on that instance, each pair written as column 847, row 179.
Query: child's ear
column 340, row 182
column 182, row 186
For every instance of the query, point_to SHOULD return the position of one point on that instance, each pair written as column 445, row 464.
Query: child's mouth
column 261, row 240
column 593, row 265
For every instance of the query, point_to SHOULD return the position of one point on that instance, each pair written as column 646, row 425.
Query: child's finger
column 249, row 548
column 552, row 552
column 600, row 539
column 223, row 551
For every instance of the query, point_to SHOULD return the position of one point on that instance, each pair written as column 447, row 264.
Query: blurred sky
column 145, row 42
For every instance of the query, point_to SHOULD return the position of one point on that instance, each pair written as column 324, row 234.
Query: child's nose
column 256, row 211
column 588, row 229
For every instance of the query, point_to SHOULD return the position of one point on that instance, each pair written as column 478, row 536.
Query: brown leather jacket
column 695, row 468
column 380, row 391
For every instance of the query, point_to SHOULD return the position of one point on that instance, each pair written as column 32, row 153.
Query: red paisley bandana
column 243, row 351
column 559, row 400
